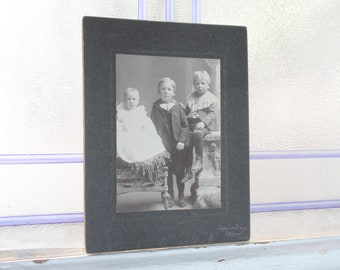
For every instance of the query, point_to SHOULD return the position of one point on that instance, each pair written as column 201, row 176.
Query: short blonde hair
column 167, row 80
column 201, row 75
column 130, row 90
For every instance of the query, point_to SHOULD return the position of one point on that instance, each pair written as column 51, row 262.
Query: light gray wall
column 294, row 82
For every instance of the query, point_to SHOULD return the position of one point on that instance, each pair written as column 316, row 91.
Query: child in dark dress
column 171, row 124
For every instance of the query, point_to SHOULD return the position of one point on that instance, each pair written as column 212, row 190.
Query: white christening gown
column 137, row 138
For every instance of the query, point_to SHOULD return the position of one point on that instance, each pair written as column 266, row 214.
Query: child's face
column 131, row 100
column 167, row 92
column 201, row 86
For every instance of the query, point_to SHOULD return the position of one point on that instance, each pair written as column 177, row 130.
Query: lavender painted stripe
column 291, row 206
column 78, row 157
column 254, row 208
column 141, row 9
column 41, row 158
column 169, row 10
column 294, row 154
column 42, row 219
column 196, row 11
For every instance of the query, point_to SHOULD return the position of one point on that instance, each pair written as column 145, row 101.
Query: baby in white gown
column 137, row 138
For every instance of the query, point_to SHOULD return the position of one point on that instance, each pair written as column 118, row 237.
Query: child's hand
column 193, row 115
column 200, row 125
column 180, row 146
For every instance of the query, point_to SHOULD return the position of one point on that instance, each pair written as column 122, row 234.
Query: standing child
column 137, row 139
column 172, row 126
column 202, row 110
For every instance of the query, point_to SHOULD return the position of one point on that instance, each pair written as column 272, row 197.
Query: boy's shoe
column 181, row 202
column 171, row 202
column 188, row 176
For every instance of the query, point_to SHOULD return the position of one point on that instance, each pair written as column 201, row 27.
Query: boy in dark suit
column 171, row 124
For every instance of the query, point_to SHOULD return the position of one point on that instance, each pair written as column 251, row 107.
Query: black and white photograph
column 168, row 133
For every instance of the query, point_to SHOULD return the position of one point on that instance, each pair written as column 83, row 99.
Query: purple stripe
column 41, row 219
column 294, row 154
column 169, row 10
column 196, row 11
column 141, row 9
column 41, row 158
column 254, row 208
column 78, row 157
column 291, row 206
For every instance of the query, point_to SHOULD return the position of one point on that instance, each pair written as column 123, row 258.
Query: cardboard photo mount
column 109, row 230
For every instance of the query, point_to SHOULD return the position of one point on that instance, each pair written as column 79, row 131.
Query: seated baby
column 137, row 138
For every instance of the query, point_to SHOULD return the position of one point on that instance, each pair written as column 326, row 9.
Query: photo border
column 105, row 229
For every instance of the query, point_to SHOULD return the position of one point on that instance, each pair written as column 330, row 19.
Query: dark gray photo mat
column 110, row 230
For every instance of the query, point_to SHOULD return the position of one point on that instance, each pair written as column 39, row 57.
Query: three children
column 173, row 128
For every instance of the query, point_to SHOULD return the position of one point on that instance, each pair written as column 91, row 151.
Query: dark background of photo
column 144, row 72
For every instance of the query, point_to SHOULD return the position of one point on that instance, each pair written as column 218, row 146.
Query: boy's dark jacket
column 179, row 120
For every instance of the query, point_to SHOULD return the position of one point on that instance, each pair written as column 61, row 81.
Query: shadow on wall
column 144, row 72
